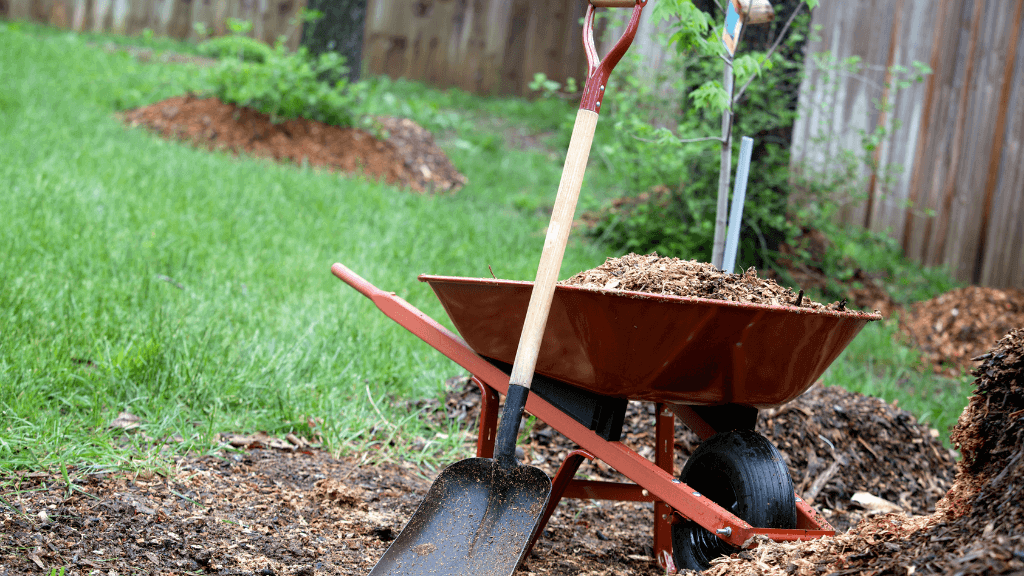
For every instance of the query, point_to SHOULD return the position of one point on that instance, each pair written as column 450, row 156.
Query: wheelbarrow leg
column 488, row 420
column 562, row 479
column 664, row 458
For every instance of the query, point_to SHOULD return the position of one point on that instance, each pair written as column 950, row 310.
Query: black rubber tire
column 744, row 473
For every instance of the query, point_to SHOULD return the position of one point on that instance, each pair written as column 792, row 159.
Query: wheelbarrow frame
column 651, row 481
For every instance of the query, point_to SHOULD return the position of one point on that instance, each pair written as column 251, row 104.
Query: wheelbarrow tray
column 657, row 348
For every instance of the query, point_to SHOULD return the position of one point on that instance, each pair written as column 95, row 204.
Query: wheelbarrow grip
column 356, row 281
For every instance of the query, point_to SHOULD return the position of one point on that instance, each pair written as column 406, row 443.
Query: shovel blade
column 477, row 518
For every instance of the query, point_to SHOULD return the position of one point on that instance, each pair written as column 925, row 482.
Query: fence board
column 202, row 11
column 19, row 9
column 995, row 171
column 1004, row 246
column 940, row 151
column 175, row 18
column 484, row 46
column 961, row 140
column 138, row 17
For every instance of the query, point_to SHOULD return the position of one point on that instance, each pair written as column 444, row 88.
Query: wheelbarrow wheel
column 744, row 473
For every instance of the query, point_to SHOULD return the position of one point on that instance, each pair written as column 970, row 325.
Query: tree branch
column 681, row 140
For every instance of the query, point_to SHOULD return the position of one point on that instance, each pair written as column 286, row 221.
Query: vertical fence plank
column 19, row 9
column 953, row 65
column 1003, row 259
column 39, row 10
column 119, row 17
column 883, row 121
column 80, row 10
column 202, row 13
column 965, row 218
column 60, row 15
column 101, row 15
column 999, row 131
column 919, row 160
column 915, row 40
column 139, row 14
column 221, row 12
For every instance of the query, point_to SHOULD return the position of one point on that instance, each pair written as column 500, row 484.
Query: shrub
column 235, row 46
column 288, row 85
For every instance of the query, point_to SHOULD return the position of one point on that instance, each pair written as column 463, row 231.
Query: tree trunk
column 340, row 30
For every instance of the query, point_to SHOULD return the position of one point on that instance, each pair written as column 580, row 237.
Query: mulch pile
column 661, row 275
column 978, row 527
column 408, row 157
column 953, row 328
column 836, row 444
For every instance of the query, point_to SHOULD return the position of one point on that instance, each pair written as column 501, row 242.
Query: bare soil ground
column 296, row 510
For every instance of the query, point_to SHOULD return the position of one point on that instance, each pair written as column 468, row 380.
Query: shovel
column 480, row 515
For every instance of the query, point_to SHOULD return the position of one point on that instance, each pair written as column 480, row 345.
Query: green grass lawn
column 193, row 289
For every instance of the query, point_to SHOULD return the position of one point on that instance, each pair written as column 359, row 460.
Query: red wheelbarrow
column 711, row 363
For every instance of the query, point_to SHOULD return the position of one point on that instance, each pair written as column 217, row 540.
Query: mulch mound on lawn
column 409, row 157
column 654, row 274
column 953, row 328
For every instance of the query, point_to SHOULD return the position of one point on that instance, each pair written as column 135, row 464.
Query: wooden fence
column 483, row 46
column 959, row 199
column 173, row 18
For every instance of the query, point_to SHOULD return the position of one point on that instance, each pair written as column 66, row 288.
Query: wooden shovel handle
column 569, row 189
column 554, row 247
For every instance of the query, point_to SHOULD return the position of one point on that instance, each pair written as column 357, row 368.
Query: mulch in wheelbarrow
column 655, row 274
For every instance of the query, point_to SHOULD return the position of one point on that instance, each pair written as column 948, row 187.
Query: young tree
column 695, row 29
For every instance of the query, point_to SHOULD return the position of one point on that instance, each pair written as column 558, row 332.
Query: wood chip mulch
column 978, row 527
column 654, row 274
column 407, row 157
column 299, row 511
column 955, row 327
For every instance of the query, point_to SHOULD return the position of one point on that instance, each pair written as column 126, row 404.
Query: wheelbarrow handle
column 356, row 281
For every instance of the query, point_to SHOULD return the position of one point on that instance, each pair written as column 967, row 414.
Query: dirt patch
column 660, row 275
column 408, row 157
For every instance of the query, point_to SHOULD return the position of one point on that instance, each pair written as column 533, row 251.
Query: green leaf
column 710, row 96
